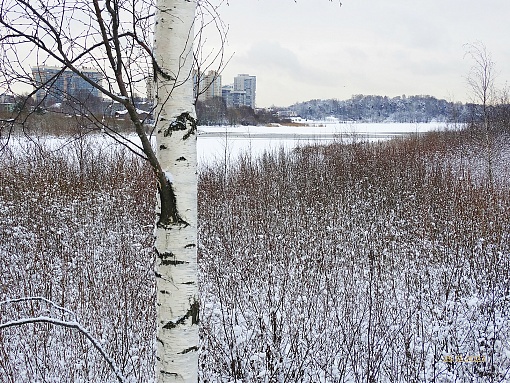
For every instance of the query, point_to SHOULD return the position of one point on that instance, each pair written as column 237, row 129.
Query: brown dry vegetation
column 359, row 262
column 59, row 124
column 76, row 228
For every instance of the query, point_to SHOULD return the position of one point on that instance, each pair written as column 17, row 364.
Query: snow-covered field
column 382, row 262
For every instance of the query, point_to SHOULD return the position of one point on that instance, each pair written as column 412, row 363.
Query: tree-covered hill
column 370, row 108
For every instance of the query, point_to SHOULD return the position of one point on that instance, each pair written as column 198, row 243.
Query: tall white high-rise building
column 207, row 85
column 248, row 84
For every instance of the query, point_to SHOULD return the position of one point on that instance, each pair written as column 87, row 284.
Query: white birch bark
column 176, row 235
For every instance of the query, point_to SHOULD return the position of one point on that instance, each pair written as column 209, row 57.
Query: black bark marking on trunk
column 193, row 313
column 158, row 275
column 190, row 245
column 161, row 147
column 174, row 263
column 164, row 292
column 160, row 341
column 188, row 283
column 193, row 128
column 170, row 325
column 194, row 348
column 169, row 373
column 169, row 214
column 157, row 70
column 181, row 159
column 181, row 123
column 164, row 255
column 168, row 259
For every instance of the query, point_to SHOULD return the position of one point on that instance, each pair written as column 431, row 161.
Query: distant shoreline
column 304, row 136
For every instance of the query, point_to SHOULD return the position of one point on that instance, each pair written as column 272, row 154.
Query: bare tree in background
column 132, row 43
column 481, row 81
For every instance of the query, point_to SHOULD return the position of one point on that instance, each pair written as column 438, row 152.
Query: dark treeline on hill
column 385, row 109
column 359, row 108
column 214, row 111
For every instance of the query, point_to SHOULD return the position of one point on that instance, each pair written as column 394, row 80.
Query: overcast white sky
column 317, row 49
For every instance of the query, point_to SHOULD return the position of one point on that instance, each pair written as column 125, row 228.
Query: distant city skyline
column 56, row 85
column 316, row 49
column 240, row 92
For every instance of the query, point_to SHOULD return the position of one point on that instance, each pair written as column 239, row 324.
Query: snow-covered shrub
column 76, row 228
column 383, row 262
column 355, row 263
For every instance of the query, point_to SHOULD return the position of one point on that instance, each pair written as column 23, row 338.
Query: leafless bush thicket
column 344, row 263
column 75, row 224
column 356, row 263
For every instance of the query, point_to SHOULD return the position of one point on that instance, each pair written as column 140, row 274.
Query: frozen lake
column 215, row 143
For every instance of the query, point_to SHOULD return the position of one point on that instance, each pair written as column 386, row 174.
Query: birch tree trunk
column 176, row 230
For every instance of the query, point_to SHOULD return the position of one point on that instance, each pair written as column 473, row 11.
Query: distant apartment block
column 226, row 94
column 56, row 86
column 212, row 84
column 233, row 98
column 7, row 102
column 242, row 92
column 207, row 85
column 248, row 84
